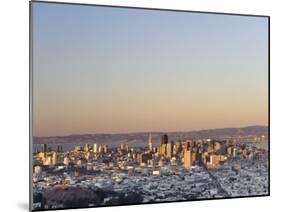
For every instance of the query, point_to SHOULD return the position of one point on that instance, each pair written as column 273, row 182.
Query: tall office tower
column 164, row 139
column 177, row 147
column 163, row 149
column 164, row 142
column 86, row 148
column 59, row 148
column 100, row 149
column 150, row 145
column 124, row 147
column 105, row 148
column 95, row 148
column 187, row 160
column 44, row 148
column 54, row 158
column 169, row 150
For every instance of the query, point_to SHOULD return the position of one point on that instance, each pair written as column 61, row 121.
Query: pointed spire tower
column 150, row 145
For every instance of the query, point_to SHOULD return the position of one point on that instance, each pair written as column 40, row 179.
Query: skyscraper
column 44, row 148
column 163, row 149
column 86, row 148
column 59, row 148
column 95, row 148
column 54, row 158
column 187, row 160
column 164, row 139
column 150, row 145
column 169, row 150
column 124, row 147
column 105, row 148
column 164, row 142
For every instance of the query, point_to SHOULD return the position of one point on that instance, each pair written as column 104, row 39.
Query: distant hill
column 142, row 137
column 244, row 131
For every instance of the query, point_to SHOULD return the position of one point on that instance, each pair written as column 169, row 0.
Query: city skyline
column 186, row 169
column 172, row 71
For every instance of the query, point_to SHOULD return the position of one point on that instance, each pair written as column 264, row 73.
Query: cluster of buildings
column 188, row 169
column 188, row 153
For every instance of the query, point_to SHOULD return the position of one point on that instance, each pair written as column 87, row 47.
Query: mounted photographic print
column 139, row 106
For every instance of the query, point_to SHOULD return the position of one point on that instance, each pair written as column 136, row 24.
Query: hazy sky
column 101, row 69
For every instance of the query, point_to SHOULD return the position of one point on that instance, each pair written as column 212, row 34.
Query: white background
column 14, row 103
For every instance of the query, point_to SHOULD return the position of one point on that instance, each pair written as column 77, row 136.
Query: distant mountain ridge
column 143, row 136
column 250, row 130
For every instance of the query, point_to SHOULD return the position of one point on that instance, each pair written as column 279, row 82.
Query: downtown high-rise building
column 187, row 159
column 163, row 149
column 164, row 142
column 86, row 148
column 164, row 139
column 59, row 148
column 150, row 145
column 124, row 147
column 54, row 158
column 95, row 148
column 169, row 150
column 44, row 148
